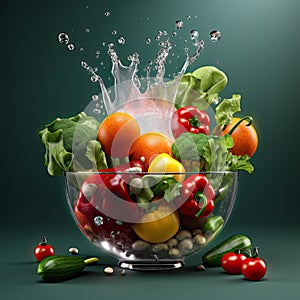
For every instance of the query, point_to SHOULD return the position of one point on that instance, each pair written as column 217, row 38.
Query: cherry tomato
column 43, row 249
column 254, row 268
column 231, row 262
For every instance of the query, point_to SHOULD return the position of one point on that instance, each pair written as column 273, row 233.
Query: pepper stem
column 194, row 121
column 203, row 197
column 247, row 118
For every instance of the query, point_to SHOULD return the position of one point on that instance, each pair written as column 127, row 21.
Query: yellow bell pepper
column 159, row 225
column 164, row 163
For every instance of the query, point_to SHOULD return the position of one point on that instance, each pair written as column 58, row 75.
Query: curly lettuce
column 202, row 87
column 212, row 152
column 70, row 144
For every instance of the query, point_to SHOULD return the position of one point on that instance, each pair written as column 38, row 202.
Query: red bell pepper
column 190, row 119
column 109, row 193
column 197, row 197
column 104, row 207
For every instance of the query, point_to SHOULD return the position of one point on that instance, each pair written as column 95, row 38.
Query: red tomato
column 116, row 134
column 254, row 268
column 149, row 145
column 43, row 249
column 231, row 262
column 245, row 138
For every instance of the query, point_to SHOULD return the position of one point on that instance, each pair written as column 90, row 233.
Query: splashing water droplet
column 81, row 49
column 63, row 38
column 94, row 78
column 188, row 17
column 107, row 14
column 121, row 40
column 157, row 38
column 114, row 32
column 71, row 47
column 95, row 97
column 103, row 44
column 148, row 41
column 194, row 34
column 165, row 32
column 98, row 52
column 215, row 35
column 98, row 221
column 84, row 64
column 179, row 24
column 87, row 30
column 174, row 33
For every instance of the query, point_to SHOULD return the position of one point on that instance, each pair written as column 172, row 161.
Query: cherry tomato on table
column 43, row 249
column 254, row 268
column 231, row 262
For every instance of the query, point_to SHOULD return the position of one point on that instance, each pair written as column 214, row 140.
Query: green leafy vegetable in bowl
column 60, row 137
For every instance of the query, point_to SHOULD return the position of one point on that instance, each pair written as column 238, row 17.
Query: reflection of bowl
column 150, row 234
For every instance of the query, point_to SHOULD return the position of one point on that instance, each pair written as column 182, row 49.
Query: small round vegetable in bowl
column 151, row 220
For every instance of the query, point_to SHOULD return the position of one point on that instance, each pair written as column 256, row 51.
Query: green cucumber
column 212, row 225
column 212, row 258
column 60, row 267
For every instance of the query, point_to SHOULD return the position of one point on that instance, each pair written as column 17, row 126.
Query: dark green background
column 41, row 80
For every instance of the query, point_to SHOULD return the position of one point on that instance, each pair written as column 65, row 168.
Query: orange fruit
column 245, row 138
column 148, row 145
column 116, row 134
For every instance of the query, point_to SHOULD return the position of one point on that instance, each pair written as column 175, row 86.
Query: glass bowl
column 147, row 221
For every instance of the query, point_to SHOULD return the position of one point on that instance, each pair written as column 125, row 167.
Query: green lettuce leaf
column 212, row 149
column 71, row 145
column 226, row 109
column 201, row 88
column 164, row 185
column 239, row 162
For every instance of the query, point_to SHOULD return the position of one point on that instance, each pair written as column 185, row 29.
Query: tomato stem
column 255, row 252
column 246, row 118
column 44, row 241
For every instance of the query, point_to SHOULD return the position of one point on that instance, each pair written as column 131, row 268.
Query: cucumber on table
column 60, row 267
column 241, row 242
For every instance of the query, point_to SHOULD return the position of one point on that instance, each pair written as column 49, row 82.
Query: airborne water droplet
column 148, row 41
column 174, row 33
column 188, row 17
column 215, row 35
column 94, row 78
column 194, row 34
column 95, row 98
column 71, row 47
column 107, row 14
column 121, row 40
column 87, row 30
column 84, row 64
column 63, row 38
column 179, row 24
column 114, row 32
column 98, row 220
